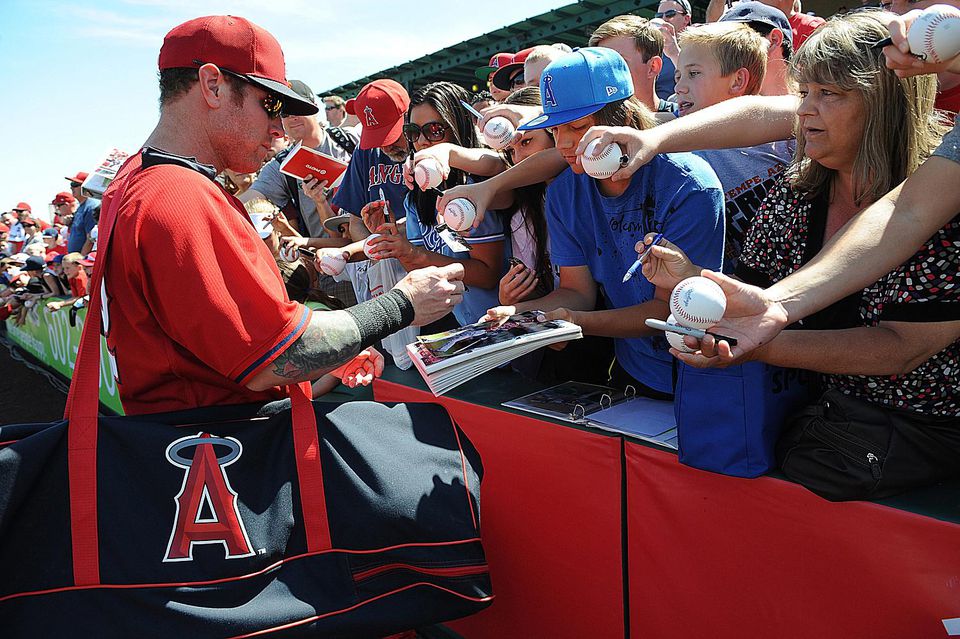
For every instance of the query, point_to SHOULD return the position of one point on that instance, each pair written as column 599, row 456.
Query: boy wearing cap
column 222, row 89
column 83, row 218
column 594, row 224
column 720, row 61
column 77, row 279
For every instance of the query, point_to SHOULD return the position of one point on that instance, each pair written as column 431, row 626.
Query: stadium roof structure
column 571, row 24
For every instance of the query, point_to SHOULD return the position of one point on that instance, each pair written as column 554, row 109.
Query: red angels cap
column 380, row 106
column 80, row 177
column 498, row 60
column 89, row 260
column 237, row 45
column 63, row 198
column 502, row 76
column 22, row 206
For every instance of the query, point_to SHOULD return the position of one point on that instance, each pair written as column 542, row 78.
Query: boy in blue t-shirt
column 595, row 224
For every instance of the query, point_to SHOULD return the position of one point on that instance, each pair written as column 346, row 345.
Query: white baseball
column 289, row 253
column 605, row 164
column 427, row 174
column 697, row 302
column 498, row 132
column 676, row 339
column 332, row 264
column 367, row 245
column 459, row 214
column 935, row 35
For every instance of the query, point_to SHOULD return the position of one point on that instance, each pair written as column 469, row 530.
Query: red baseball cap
column 89, row 260
column 380, row 106
column 498, row 60
column 502, row 76
column 63, row 198
column 22, row 206
column 236, row 45
column 80, row 177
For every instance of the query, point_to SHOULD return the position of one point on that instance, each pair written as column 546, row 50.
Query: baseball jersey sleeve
column 211, row 283
column 272, row 183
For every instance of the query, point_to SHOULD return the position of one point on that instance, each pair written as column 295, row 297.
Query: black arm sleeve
column 382, row 316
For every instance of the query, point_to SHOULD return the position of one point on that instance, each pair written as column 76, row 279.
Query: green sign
column 50, row 338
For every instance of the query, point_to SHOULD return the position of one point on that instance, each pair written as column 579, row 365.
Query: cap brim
column 293, row 103
column 484, row 72
column 373, row 138
column 547, row 120
column 333, row 223
column 501, row 78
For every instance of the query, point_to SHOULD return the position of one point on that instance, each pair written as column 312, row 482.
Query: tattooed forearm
column 330, row 340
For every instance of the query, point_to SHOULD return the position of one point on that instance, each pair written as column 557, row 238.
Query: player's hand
column 433, row 291
column 372, row 215
column 499, row 313
column 55, row 305
column 479, row 193
column 313, row 188
column 517, row 284
column 665, row 265
column 318, row 256
column 752, row 317
column 362, row 369
column 293, row 241
column 898, row 55
column 391, row 244
column 639, row 146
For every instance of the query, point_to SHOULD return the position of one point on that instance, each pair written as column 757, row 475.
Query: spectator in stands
column 641, row 45
column 483, row 74
column 83, row 218
column 672, row 17
column 537, row 60
column 801, row 24
column 76, row 277
column 377, row 165
column 52, row 281
column 481, row 100
column 509, row 77
column 889, row 353
column 52, row 243
column 773, row 25
column 592, row 222
column 31, row 233
column 308, row 196
column 16, row 236
column 718, row 62
column 333, row 106
column 437, row 116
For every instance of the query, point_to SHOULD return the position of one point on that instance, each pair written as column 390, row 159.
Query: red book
column 303, row 161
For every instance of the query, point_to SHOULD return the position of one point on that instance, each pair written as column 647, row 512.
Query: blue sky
column 79, row 78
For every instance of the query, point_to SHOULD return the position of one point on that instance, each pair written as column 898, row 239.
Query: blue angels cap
column 579, row 84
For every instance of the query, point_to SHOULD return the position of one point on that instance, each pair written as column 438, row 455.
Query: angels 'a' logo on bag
column 207, row 511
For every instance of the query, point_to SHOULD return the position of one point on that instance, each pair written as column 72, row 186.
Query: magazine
column 604, row 407
column 98, row 181
column 303, row 161
column 448, row 359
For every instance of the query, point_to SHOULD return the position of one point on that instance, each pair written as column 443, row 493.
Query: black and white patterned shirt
column 788, row 231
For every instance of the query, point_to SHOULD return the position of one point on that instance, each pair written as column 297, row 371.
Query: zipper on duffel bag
column 451, row 571
column 842, row 442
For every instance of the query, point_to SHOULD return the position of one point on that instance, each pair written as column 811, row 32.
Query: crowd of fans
column 827, row 130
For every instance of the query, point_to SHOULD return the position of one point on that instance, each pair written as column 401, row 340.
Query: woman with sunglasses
column 436, row 115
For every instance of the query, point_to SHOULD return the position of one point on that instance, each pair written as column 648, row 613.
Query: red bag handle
column 82, row 413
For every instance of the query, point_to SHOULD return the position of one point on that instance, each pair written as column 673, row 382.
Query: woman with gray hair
column 888, row 355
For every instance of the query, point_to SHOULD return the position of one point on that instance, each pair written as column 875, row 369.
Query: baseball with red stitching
column 605, row 164
column 697, row 302
column 368, row 245
column 333, row 264
column 498, row 132
column 427, row 174
column 935, row 35
column 459, row 214
column 676, row 339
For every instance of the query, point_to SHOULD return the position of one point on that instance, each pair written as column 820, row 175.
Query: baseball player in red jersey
column 195, row 312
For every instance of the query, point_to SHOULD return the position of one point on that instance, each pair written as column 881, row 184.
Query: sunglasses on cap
column 432, row 131
column 272, row 104
column 669, row 13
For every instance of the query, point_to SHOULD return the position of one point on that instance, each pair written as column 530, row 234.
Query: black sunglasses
column 272, row 104
column 74, row 185
column 669, row 13
column 432, row 131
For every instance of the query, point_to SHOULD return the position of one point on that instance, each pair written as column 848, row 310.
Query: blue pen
column 633, row 268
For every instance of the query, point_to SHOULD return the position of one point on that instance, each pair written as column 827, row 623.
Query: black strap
column 342, row 139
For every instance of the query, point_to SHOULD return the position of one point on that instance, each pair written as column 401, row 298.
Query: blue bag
column 729, row 419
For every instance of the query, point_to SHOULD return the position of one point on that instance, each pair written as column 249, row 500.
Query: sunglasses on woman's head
column 432, row 131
